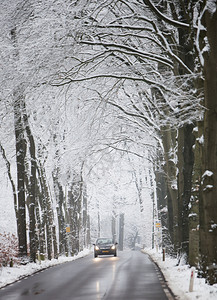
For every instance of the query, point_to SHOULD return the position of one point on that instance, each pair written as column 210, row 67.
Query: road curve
column 130, row 276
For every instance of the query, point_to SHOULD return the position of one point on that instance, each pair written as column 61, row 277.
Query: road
column 129, row 276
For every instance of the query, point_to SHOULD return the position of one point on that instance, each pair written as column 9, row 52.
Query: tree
column 208, row 228
column 147, row 62
column 20, row 156
column 109, row 47
column 22, row 75
column 114, row 40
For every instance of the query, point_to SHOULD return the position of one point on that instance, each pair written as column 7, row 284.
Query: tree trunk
column 194, row 215
column 54, row 236
column 32, row 194
column 84, row 218
column 88, row 230
column 61, row 220
column 114, row 234
column 121, row 232
column 185, row 166
column 41, row 222
column 161, row 191
column 208, row 226
column 8, row 166
column 75, row 198
column 20, row 158
column 48, row 218
column 168, row 139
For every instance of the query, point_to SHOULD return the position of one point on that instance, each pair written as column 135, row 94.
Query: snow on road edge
column 178, row 279
column 9, row 275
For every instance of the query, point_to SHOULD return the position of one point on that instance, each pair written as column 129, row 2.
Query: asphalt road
column 129, row 276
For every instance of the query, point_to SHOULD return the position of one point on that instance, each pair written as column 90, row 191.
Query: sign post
column 191, row 285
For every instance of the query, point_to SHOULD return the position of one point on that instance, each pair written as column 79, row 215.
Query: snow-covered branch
column 165, row 18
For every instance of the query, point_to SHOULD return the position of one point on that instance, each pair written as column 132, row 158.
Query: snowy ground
column 178, row 277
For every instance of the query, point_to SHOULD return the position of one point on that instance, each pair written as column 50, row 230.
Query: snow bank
column 9, row 275
column 178, row 278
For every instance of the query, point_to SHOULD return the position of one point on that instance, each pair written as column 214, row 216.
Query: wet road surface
column 129, row 276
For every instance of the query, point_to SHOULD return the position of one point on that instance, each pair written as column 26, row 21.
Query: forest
column 89, row 82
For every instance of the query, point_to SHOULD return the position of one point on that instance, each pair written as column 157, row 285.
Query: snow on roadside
column 178, row 279
column 9, row 275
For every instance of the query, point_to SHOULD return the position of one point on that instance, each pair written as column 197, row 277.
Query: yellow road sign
column 158, row 225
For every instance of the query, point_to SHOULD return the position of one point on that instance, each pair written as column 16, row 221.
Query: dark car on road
column 105, row 246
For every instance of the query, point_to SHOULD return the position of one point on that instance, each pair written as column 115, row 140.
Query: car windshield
column 104, row 241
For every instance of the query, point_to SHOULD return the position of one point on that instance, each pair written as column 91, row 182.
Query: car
column 105, row 246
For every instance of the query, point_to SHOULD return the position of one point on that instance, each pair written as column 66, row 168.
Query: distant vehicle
column 105, row 246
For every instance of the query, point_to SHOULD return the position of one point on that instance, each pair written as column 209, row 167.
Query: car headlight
column 113, row 247
column 96, row 248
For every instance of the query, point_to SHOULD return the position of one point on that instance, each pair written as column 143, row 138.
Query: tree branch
column 134, row 115
column 131, row 50
column 165, row 18
column 68, row 80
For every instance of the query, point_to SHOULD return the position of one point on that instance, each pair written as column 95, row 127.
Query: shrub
column 8, row 249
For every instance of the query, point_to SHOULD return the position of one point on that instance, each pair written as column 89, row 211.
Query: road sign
column 158, row 225
column 67, row 229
